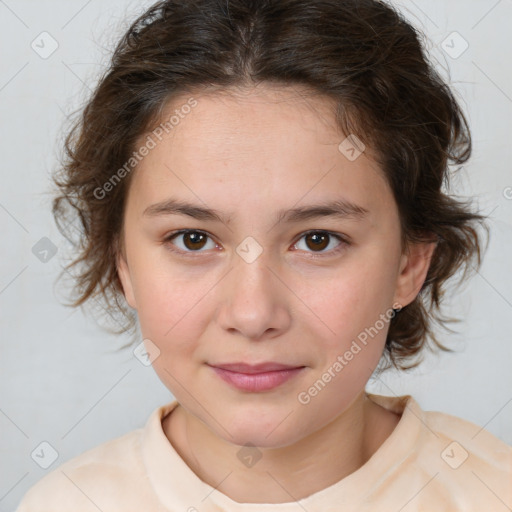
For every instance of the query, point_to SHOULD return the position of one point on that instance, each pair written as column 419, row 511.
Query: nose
column 255, row 304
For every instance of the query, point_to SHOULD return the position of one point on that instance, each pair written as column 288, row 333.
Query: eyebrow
column 340, row 209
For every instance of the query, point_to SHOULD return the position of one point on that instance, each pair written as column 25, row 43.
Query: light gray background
column 62, row 380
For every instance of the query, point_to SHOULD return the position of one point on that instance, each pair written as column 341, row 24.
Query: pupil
column 319, row 241
column 194, row 239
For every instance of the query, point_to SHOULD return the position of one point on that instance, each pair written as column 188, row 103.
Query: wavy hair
column 360, row 53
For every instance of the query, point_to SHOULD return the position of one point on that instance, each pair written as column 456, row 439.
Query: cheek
column 352, row 308
column 173, row 306
column 346, row 303
column 170, row 317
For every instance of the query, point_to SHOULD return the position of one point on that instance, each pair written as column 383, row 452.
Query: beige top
column 431, row 462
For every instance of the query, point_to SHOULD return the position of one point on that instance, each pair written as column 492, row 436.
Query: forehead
column 244, row 118
column 267, row 144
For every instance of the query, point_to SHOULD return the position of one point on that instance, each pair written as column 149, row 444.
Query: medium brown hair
column 362, row 54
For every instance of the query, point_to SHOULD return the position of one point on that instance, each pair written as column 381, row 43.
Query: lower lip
column 255, row 382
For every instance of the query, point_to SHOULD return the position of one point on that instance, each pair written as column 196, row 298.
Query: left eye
column 319, row 241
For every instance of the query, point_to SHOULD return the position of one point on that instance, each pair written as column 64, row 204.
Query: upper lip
column 254, row 368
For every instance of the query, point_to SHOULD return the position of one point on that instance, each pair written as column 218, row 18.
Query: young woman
column 260, row 190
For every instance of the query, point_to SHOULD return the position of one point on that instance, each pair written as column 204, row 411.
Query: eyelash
column 343, row 243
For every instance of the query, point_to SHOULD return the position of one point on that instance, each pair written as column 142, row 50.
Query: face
column 251, row 238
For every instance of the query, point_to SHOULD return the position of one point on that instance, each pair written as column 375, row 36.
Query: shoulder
column 466, row 460
column 437, row 461
column 469, row 442
column 94, row 479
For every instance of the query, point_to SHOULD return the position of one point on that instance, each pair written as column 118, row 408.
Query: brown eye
column 194, row 240
column 190, row 241
column 317, row 241
column 321, row 242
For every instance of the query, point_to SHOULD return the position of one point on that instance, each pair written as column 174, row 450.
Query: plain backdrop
column 62, row 379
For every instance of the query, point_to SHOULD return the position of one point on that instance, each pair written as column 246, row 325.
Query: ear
column 124, row 276
column 414, row 265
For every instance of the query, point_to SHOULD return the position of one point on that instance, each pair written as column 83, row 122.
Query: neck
column 286, row 473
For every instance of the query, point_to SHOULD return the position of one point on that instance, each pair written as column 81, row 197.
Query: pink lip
column 254, row 378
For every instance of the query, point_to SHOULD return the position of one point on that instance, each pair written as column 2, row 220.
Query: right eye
column 190, row 241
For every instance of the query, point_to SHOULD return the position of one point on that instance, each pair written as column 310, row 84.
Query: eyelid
column 343, row 239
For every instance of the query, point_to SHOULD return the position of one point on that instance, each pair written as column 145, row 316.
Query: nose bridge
column 251, row 275
column 253, row 303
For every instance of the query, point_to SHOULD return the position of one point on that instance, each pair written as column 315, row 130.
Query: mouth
column 257, row 377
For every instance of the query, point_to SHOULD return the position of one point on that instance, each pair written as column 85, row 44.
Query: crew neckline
column 178, row 487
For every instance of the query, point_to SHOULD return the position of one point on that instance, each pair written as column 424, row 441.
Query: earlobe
column 125, row 278
column 414, row 265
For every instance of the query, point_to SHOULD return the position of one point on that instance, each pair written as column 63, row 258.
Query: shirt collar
column 179, row 488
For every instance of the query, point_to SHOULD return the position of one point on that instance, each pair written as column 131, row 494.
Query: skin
column 249, row 154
